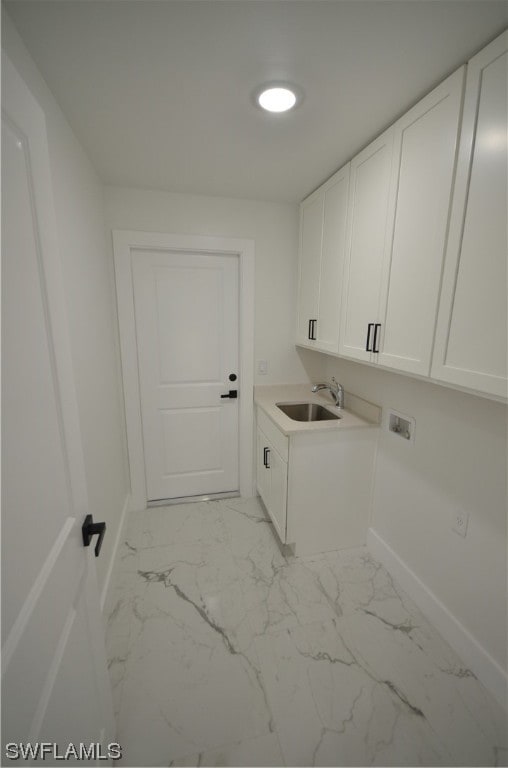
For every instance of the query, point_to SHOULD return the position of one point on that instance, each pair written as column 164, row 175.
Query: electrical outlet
column 262, row 367
column 460, row 522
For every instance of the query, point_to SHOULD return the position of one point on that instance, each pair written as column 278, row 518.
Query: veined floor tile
column 354, row 581
column 226, row 650
column 453, row 703
column 260, row 751
column 354, row 692
column 250, row 508
column 190, row 680
column 199, row 522
column 278, row 591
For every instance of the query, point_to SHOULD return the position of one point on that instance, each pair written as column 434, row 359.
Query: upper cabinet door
column 323, row 218
column 471, row 336
column 332, row 261
column 368, row 216
column 425, row 143
column 311, row 234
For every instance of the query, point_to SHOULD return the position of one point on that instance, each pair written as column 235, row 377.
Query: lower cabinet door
column 278, row 493
column 262, row 472
column 272, row 477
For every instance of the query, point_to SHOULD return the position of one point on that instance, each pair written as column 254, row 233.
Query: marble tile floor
column 223, row 651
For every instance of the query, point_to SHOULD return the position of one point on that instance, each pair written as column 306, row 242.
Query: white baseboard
column 476, row 658
column 114, row 552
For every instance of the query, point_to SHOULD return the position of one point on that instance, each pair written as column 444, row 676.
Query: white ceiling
column 159, row 92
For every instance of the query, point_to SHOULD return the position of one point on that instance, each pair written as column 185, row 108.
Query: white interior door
column 186, row 313
column 55, row 685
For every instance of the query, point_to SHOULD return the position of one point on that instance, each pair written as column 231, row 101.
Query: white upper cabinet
column 471, row 336
column 323, row 218
column 398, row 207
column 368, row 215
column 424, row 153
column 418, row 283
column 311, row 237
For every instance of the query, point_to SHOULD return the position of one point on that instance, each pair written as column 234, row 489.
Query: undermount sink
column 307, row 412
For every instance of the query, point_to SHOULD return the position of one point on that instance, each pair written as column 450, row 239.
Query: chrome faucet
column 335, row 389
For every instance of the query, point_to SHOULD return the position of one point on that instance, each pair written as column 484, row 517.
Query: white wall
column 273, row 227
column 89, row 285
column 457, row 462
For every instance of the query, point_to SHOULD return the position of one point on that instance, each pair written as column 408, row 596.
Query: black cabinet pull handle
column 265, row 450
column 367, row 347
column 233, row 394
column 267, row 456
column 311, row 334
column 375, row 348
column 89, row 529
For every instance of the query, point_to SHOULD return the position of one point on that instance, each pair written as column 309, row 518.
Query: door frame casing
column 124, row 242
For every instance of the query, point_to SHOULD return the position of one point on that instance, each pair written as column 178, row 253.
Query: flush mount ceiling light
column 277, row 97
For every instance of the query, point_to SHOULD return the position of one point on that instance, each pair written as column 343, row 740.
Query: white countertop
column 358, row 413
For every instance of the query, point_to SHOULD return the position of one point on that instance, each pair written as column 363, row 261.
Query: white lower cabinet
column 272, row 479
column 316, row 485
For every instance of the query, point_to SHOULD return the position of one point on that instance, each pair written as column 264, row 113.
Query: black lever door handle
column 233, row 394
column 89, row 529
